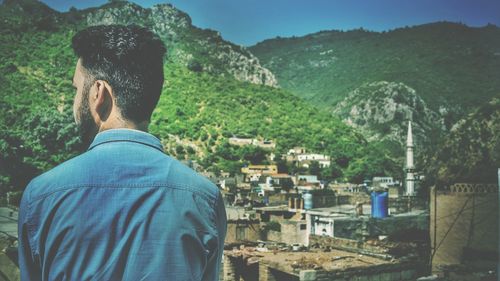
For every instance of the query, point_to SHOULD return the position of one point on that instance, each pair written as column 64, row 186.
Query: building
column 242, row 225
column 277, row 182
column 228, row 184
column 341, row 222
column 265, row 144
column 382, row 182
column 240, row 141
column 389, row 184
column 307, row 179
column 260, row 169
column 290, row 224
column 268, row 263
column 308, row 183
column 254, row 172
column 305, row 160
column 464, row 227
column 297, row 150
column 299, row 157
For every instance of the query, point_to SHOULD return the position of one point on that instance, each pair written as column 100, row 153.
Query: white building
column 382, row 182
column 305, row 159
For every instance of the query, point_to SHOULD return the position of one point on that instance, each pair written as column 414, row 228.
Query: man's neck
column 124, row 124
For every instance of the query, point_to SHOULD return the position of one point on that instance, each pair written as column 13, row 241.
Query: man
column 123, row 210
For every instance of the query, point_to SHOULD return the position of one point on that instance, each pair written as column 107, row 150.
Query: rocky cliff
column 381, row 110
column 199, row 49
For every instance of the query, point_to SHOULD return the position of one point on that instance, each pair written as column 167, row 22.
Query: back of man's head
column 130, row 59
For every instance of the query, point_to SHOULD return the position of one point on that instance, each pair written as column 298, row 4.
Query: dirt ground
column 290, row 261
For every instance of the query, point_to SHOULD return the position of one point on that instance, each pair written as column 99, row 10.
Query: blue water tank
column 380, row 204
column 308, row 201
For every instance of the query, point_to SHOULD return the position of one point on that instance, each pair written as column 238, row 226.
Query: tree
column 281, row 164
column 195, row 66
column 331, row 172
column 314, row 168
column 254, row 154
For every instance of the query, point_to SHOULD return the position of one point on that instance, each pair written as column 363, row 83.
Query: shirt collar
column 130, row 135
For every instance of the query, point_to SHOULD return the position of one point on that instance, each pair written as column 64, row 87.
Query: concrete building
column 293, row 231
column 256, row 171
column 242, row 230
column 464, row 227
column 342, row 222
column 240, row 141
column 388, row 183
column 308, row 183
column 382, row 182
column 242, row 225
column 297, row 150
column 265, row 144
column 304, row 160
column 260, row 169
column 299, row 157
column 255, row 263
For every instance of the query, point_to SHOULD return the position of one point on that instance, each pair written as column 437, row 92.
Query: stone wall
column 363, row 228
column 250, row 231
column 464, row 220
column 290, row 233
column 390, row 272
column 324, row 200
column 235, row 269
column 352, row 198
column 325, row 242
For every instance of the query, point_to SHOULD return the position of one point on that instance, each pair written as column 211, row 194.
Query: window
column 303, row 226
column 240, row 233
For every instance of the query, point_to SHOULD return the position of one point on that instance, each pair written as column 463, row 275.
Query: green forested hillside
column 198, row 110
column 454, row 68
column 471, row 152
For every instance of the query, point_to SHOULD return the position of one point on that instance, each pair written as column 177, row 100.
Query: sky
column 247, row 22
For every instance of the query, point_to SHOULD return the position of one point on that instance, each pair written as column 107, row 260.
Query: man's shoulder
column 80, row 170
column 181, row 176
column 59, row 176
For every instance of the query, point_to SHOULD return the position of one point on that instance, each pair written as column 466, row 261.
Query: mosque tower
column 410, row 168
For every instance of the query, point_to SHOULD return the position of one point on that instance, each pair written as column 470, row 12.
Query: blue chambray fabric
column 123, row 210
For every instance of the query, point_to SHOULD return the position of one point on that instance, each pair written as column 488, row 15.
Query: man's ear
column 102, row 99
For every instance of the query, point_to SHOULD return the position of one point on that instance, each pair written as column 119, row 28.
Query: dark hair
column 130, row 59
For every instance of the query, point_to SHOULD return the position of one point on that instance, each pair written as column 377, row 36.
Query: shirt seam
column 215, row 216
column 123, row 140
column 30, row 227
column 131, row 186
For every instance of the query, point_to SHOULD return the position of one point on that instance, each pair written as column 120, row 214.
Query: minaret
column 410, row 168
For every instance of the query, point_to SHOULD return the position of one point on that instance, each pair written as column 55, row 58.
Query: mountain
column 471, row 152
column 432, row 74
column 213, row 90
column 452, row 67
column 381, row 110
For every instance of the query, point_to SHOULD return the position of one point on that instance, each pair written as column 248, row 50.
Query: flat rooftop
column 293, row 262
column 333, row 260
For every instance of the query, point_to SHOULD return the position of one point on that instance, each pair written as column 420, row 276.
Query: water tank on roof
column 380, row 204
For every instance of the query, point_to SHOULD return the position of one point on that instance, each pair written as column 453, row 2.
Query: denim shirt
column 123, row 210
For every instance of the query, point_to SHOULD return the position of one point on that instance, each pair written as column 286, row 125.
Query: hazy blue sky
column 246, row 22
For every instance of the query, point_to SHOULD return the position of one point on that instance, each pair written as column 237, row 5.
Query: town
column 285, row 226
